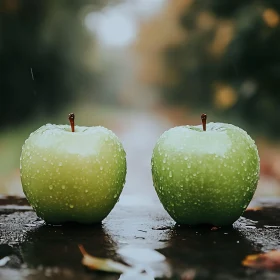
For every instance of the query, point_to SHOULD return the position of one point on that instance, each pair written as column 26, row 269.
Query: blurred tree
column 44, row 53
column 217, row 54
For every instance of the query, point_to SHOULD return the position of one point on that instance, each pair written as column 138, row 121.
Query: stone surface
column 40, row 251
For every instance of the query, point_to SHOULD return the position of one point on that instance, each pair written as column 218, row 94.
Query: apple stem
column 203, row 119
column 72, row 121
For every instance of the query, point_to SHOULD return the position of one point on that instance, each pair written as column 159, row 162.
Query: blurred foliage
column 217, row 54
column 46, row 55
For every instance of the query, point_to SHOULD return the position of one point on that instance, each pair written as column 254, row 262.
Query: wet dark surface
column 39, row 251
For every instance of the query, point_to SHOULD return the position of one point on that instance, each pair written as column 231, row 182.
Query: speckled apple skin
column 205, row 177
column 72, row 176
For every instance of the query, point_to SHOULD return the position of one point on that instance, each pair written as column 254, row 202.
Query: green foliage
column 49, row 39
column 229, row 61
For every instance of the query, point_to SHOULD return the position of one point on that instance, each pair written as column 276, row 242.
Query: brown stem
column 72, row 121
column 203, row 119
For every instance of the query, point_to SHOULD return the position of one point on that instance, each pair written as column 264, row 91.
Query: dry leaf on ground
column 269, row 260
column 214, row 228
column 255, row 208
column 101, row 264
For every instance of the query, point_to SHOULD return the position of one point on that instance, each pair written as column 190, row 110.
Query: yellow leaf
column 269, row 260
column 271, row 17
column 101, row 264
column 225, row 96
column 255, row 208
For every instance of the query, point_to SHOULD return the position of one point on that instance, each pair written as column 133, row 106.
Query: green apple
column 72, row 176
column 205, row 176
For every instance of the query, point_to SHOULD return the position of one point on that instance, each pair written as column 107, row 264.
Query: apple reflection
column 208, row 251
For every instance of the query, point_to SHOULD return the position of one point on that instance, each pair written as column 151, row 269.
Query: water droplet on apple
column 170, row 174
column 38, row 170
column 60, row 164
column 86, row 191
column 71, row 206
column 185, row 158
column 44, row 159
column 164, row 160
column 101, row 167
column 50, row 187
column 63, row 187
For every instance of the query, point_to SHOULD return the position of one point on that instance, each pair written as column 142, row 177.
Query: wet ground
column 39, row 251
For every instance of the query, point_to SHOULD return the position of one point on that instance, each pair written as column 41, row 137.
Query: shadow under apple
column 219, row 251
column 57, row 246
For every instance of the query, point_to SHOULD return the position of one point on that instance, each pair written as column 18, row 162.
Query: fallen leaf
column 256, row 208
column 269, row 260
column 101, row 264
column 4, row 261
column 215, row 228
column 141, row 255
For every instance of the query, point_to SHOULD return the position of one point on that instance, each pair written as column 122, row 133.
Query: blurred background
column 139, row 67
